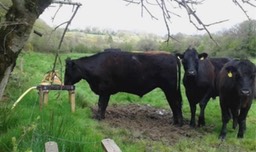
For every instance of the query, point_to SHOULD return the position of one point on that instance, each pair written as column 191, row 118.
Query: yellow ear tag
column 202, row 58
column 230, row 74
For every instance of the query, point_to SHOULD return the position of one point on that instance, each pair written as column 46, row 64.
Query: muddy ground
column 147, row 122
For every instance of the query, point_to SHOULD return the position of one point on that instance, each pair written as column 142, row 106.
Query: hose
column 18, row 100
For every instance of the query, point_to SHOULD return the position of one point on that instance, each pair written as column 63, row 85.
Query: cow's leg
column 241, row 129
column 225, row 119
column 193, row 113
column 202, row 104
column 234, row 116
column 102, row 105
column 201, row 119
column 242, row 122
column 175, row 102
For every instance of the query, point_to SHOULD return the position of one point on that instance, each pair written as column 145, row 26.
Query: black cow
column 110, row 72
column 198, row 80
column 235, row 84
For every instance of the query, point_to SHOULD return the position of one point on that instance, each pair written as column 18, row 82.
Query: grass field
column 26, row 128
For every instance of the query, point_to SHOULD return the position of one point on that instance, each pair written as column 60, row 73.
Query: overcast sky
column 117, row 15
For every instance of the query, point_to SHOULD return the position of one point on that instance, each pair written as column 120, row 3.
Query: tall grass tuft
column 8, row 118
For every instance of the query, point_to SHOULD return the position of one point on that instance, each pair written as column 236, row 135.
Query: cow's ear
column 68, row 59
column 231, row 70
column 202, row 56
column 69, row 62
column 179, row 56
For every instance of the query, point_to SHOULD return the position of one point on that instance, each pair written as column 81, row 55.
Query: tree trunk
column 20, row 19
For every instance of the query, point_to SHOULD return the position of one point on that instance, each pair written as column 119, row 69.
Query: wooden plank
column 56, row 87
column 44, row 90
column 109, row 145
column 51, row 146
column 45, row 96
column 41, row 99
column 72, row 100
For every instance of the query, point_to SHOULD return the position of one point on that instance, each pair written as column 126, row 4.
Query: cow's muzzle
column 245, row 92
column 191, row 73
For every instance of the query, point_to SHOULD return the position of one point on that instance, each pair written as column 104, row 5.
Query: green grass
column 26, row 128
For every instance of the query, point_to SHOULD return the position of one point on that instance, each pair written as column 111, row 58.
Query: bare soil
column 147, row 122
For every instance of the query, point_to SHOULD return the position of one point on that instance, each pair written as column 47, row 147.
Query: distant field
column 136, row 124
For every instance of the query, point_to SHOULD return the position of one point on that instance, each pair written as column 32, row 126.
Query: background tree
column 239, row 41
column 147, row 45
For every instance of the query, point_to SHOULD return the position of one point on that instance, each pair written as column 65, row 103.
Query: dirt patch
column 147, row 122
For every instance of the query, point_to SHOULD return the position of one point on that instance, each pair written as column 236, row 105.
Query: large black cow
column 199, row 78
column 235, row 84
column 110, row 72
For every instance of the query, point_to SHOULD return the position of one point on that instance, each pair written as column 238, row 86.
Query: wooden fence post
column 72, row 100
column 109, row 145
column 51, row 146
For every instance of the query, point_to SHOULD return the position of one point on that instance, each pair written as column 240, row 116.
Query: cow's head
column 243, row 73
column 190, row 59
column 72, row 73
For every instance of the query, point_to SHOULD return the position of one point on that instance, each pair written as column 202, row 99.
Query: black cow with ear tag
column 235, row 84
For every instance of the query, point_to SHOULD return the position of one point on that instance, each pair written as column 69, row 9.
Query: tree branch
column 240, row 6
column 67, row 3
column 248, row 2
column 3, row 6
column 165, row 17
column 192, row 14
column 62, row 37
column 167, row 8
column 56, row 12
column 67, row 25
column 132, row 2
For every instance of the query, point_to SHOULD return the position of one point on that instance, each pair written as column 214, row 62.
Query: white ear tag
column 230, row 74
